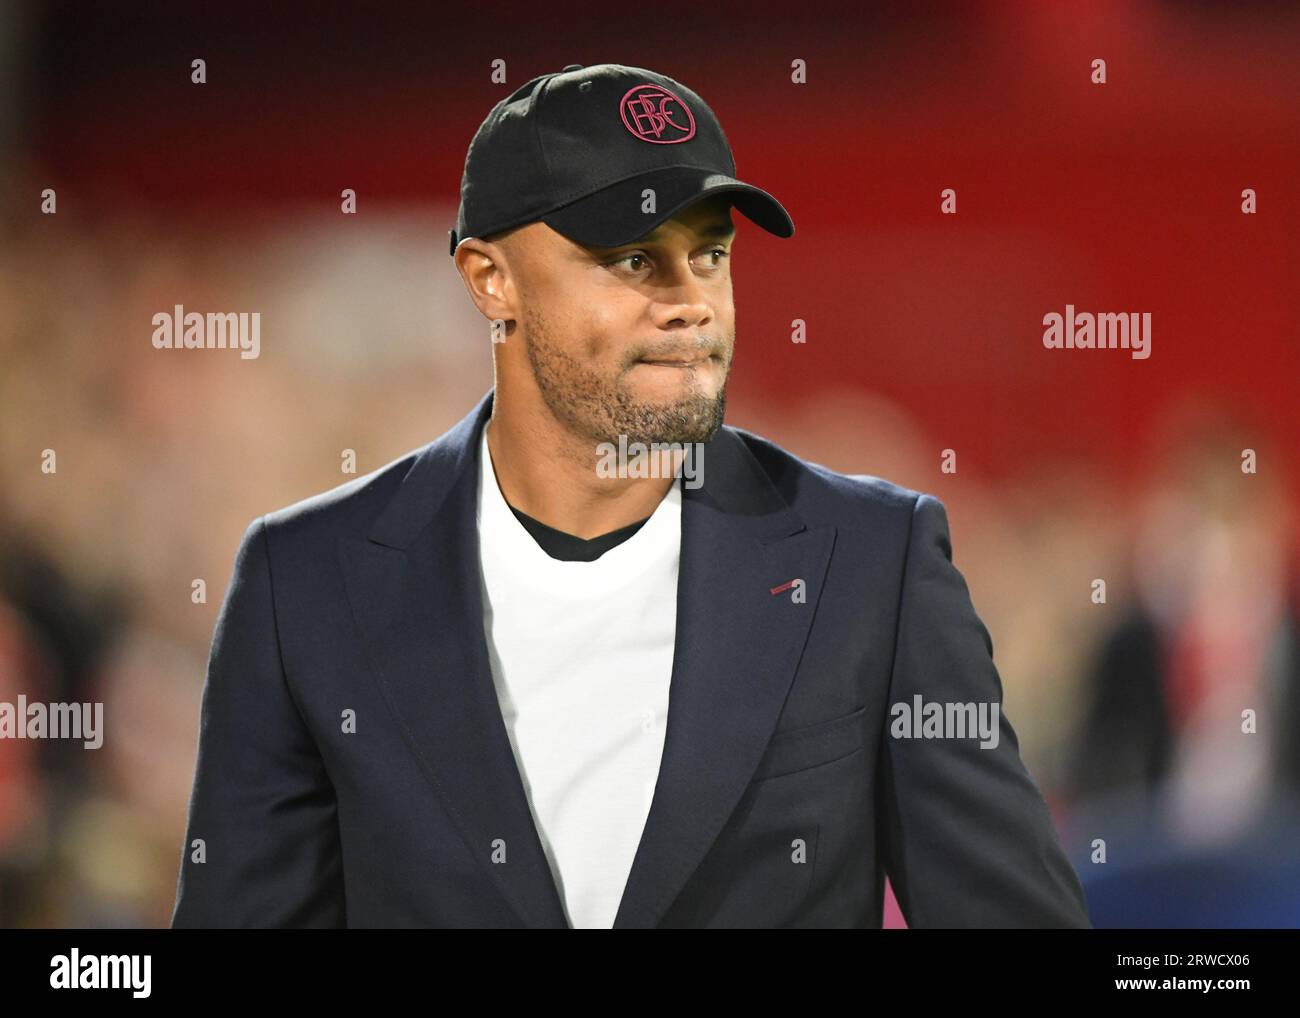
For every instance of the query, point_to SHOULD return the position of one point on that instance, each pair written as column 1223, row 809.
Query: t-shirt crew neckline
column 502, row 536
column 558, row 544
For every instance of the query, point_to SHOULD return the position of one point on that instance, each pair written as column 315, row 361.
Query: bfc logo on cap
column 654, row 114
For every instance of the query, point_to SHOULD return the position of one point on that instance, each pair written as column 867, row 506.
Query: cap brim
column 612, row 216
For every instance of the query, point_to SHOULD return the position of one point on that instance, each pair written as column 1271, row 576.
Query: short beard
column 592, row 406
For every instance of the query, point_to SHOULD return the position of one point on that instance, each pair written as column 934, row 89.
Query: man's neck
column 550, row 474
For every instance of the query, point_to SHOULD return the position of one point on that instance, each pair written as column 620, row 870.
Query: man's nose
column 684, row 301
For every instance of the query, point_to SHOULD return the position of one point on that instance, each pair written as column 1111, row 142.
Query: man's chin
column 681, row 421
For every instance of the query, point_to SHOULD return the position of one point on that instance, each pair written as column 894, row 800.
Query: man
column 515, row 679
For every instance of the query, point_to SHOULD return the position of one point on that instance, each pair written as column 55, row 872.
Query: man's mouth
column 676, row 362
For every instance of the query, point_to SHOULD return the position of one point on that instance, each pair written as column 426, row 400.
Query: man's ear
column 485, row 270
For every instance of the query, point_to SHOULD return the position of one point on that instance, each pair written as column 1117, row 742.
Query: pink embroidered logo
column 654, row 114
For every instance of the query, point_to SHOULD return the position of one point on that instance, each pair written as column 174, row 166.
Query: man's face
column 634, row 340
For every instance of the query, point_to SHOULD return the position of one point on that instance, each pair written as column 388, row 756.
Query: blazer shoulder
column 825, row 496
column 348, row 508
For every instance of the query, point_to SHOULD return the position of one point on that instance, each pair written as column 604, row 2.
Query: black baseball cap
column 577, row 148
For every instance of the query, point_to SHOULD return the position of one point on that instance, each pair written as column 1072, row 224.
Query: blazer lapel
column 415, row 588
column 738, row 645
column 416, row 593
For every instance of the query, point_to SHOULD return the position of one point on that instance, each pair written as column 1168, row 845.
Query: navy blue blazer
column 354, row 768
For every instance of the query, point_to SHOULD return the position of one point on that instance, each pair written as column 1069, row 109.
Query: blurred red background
column 1124, row 196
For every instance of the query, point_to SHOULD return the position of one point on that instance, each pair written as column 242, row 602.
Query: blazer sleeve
column 967, row 837
column 262, row 845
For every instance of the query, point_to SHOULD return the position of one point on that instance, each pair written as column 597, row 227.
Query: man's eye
column 628, row 258
column 642, row 259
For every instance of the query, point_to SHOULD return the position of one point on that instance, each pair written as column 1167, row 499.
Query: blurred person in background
column 53, row 633
column 1187, row 755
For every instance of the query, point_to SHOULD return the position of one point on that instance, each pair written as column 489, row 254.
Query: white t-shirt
column 582, row 656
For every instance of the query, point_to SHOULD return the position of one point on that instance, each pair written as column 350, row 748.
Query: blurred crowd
column 161, row 459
